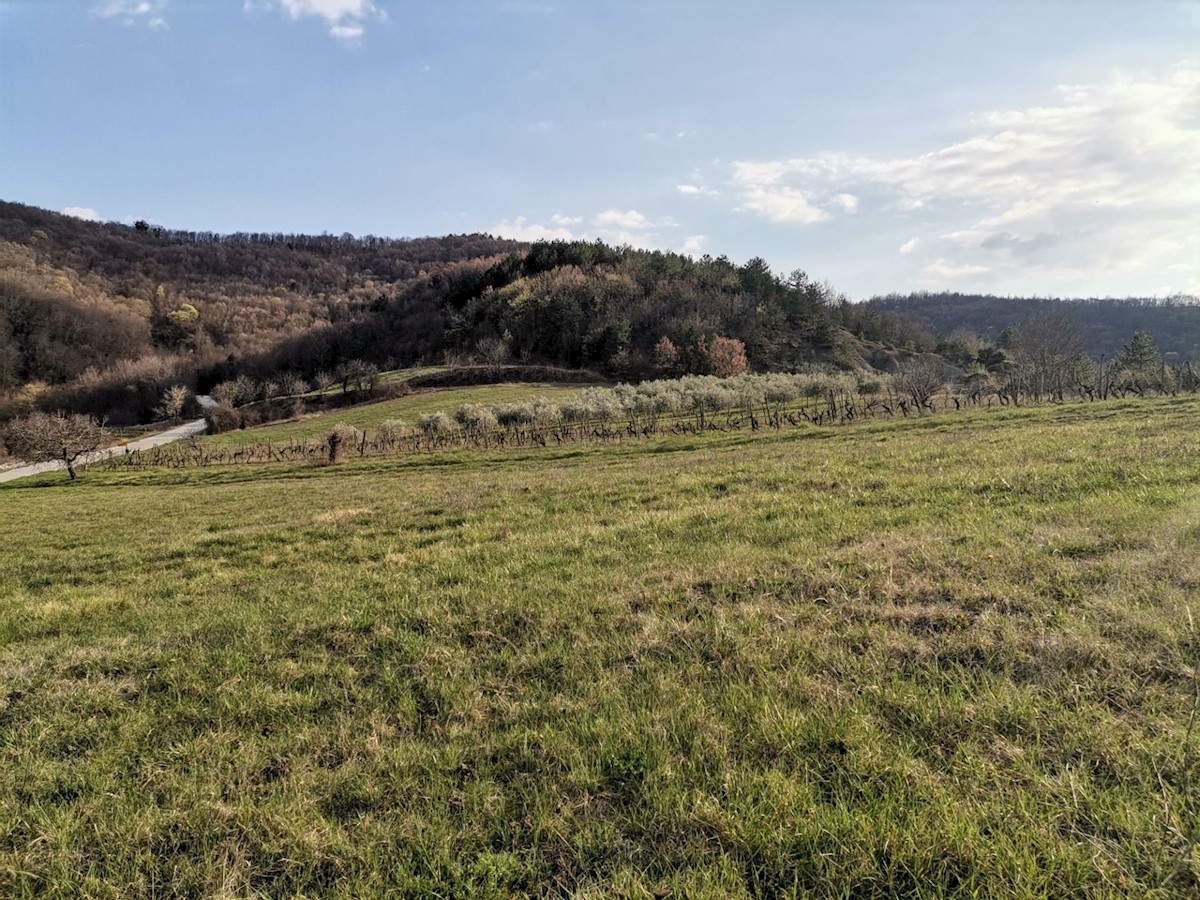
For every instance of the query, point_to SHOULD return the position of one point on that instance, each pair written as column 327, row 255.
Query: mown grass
column 408, row 407
column 946, row 657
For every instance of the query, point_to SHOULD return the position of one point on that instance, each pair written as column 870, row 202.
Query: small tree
column 173, row 403
column 666, row 357
column 50, row 437
column 358, row 375
column 1140, row 359
column 492, row 350
column 921, row 378
column 727, row 357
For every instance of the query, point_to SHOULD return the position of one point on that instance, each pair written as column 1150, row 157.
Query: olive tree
column 54, row 437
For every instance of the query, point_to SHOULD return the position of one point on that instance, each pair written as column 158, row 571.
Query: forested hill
column 103, row 317
column 1107, row 324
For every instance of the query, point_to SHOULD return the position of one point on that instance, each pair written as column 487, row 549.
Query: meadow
column 952, row 655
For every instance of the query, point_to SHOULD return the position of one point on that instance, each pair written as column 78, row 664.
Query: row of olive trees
column 693, row 402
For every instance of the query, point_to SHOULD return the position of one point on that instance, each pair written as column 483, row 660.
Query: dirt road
column 178, row 433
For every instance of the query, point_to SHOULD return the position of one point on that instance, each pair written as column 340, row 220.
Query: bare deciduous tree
column 173, row 402
column 1050, row 342
column 49, row 437
column 492, row 350
column 921, row 378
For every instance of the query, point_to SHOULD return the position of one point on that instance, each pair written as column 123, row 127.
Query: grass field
column 922, row 658
column 408, row 407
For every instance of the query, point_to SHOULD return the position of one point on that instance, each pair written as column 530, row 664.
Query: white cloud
column 613, row 226
column 763, row 192
column 693, row 244
column 846, row 202
column 1104, row 179
column 346, row 19
column 695, row 190
column 132, row 12
column 521, row 229
column 910, row 245
column 82, row 212
column 615, row 218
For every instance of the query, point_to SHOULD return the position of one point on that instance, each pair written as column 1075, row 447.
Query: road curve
column 178, row 433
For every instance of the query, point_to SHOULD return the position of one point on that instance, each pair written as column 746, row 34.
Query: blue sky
column 1015, row 147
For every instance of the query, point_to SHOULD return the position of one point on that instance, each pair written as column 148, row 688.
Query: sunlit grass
column 940, row 657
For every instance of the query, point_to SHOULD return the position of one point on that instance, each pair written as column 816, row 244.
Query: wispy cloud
column 346, row 19
column 910, row 245
column 521, row 229
column 133, row 12
column 1104, row 178
column 82, row 212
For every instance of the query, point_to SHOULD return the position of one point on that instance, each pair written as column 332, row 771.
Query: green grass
column 385, row 378
column 925, row 658
column 369, row 415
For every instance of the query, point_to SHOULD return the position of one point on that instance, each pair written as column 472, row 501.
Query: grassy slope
column 369, row 415
column 898, row 659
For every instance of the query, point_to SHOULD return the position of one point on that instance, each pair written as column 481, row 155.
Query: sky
column 1029, row 148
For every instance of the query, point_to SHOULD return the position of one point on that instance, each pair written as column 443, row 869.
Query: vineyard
column 690, row 405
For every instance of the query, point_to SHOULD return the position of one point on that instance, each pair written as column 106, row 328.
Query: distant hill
column 103, row 317
column 1107, row 324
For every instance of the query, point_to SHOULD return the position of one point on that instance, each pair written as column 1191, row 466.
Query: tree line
column 1105, row 323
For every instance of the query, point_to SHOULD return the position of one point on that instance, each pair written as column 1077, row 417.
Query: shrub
column 391, row 431
column 223, row 417
column 475, row 420
column 433, row 425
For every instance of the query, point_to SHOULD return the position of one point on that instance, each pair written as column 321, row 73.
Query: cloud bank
column 1106, row 178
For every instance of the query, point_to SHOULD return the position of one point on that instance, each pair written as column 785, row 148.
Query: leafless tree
column 174, row 401
column 47, row 437
column 492, row 350
column 1050, row 343
column 921, row 378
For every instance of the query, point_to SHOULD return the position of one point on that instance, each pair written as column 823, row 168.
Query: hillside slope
column 109, row 315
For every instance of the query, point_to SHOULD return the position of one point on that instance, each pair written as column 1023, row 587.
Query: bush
column 475, row 420
column 434, row 425
column 391, row 431
column 223, row 417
